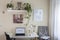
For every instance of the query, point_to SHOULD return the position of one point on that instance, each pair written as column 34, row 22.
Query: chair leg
column 13, row 38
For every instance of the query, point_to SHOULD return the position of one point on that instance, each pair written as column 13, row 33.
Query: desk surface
column 33, row 35
column 24, row 36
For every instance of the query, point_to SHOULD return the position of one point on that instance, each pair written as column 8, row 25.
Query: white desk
column 33, row 36
column 30, row 37
column 24, row 36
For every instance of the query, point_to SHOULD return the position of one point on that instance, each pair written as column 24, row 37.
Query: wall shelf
column 16, row 11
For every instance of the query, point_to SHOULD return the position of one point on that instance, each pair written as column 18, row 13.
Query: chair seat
column 45, row 37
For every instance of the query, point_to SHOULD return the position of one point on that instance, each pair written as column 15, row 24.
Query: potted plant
column 10, row 6
column 27, row 7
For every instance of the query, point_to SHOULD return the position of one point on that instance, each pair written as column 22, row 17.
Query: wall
column 6, row 22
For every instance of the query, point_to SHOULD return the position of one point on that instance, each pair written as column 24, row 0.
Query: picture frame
column 38, row 15
column 17, row 18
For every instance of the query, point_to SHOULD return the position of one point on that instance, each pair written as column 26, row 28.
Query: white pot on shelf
column 9, row 8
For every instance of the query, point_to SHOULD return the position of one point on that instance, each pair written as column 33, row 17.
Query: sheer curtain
column 57, row 20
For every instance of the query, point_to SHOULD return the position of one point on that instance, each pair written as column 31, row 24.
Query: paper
column 38, row 15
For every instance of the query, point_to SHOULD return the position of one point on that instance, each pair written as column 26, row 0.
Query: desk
column 30, row 37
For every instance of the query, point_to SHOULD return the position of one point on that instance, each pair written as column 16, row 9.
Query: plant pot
column 9, row 8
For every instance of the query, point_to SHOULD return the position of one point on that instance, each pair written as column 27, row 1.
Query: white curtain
column 57, row 20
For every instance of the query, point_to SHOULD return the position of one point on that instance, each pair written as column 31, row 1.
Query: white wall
column 6, row 19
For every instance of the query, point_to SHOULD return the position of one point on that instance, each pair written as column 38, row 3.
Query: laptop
column 20, row 31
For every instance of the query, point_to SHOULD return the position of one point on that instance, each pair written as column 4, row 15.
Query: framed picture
column 38, row 15
column 17, row 18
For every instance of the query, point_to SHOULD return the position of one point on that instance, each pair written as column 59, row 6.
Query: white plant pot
column 9, row 8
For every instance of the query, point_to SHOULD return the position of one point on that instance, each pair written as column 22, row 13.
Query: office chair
column 7, row 36
column 43, row 33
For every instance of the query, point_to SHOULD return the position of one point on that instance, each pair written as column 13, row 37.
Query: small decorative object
column 18, row 18
column 31, row 30
column 10, row 6
column 19, row 5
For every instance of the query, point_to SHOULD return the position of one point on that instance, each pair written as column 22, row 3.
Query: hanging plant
column 27, row 7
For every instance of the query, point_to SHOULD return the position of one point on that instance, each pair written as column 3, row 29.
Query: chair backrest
column 7, row 36
column 43, row 30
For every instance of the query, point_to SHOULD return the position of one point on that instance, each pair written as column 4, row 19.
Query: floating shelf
column 24, row 11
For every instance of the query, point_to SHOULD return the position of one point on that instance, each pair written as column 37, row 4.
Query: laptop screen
column 20, row 30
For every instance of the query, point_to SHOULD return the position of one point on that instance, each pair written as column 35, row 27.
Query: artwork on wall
column 38, row 15
column 17, row 18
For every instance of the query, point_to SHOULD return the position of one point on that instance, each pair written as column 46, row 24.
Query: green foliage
column 9, row 5
column 27, row 7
